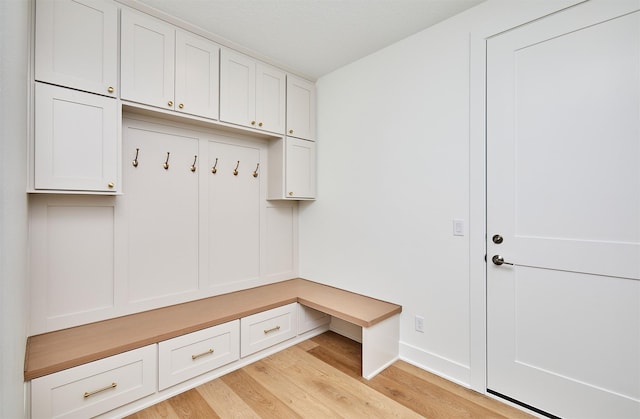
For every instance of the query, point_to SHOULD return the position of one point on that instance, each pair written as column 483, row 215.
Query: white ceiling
column 312, row 37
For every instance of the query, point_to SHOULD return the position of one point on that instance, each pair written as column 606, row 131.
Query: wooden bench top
column 55, row 351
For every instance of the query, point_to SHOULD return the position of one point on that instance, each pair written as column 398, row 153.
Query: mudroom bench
column 167, row 350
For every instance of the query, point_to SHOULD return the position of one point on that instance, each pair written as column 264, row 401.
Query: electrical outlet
column 419, row 320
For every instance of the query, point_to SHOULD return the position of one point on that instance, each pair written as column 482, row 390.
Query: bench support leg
column 380, row 346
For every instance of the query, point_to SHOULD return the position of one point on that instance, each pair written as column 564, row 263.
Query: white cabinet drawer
column 95, row 388
column 309, row 319
column 261, row 330
column 187, row 356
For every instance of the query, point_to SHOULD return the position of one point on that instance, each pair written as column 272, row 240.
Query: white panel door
column 301, row 108
column 76, row 140
column 270, row 98
column 237, row 88
column 77, row 44
column 300, row 168
column 197, row 75
column 563, row 191
column 147, row 60
column 234, row 214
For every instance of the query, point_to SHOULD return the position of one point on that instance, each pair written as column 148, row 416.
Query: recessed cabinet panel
column 262, row 330
column 234, row 213
column 161, row 206
column 95, row 388
column 147, row 60
column 197, row 75
column 76, row 140
column 72, row 256
column 237, row 88
column 270, row 98
column 188, row 356
column 281, row 239
column 301, row 108
column 76, row 44
column 300, row 168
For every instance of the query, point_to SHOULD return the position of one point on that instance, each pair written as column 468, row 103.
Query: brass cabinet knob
column 181, row 105
column 290, row 131
column 170, row 103
column 110, row 89
column 290, row 193
column 260, row 124
column 253, row 122
column 111, row 185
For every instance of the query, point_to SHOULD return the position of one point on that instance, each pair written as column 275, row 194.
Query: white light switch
column 458, row 227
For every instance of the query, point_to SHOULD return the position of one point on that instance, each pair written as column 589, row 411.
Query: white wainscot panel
column 72, row 260
column 234, row 201
column 161, row 206
column 281, row 239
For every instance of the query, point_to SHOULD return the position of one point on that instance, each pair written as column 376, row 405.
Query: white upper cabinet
column 252, row 94
column 292, row 169
column 168, row 68
column 301, row 108
column 197, row 75
column 76, row 44
column 76, row 140
column 147, row 60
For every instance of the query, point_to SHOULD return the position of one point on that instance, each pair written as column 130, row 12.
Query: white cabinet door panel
column 197, row 75
column 76, row 140
column 270, row 98
column 301, row 108
column 300, row 168
column 147, row 60
column 77, row 44
column 237, row 88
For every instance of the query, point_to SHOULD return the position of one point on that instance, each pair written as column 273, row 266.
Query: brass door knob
column 111, row 185
column 290, row 131
column 260, row 124
column 253, row 122
column 110, row 89
column 181, row 105
column 170, row 103
column 290, row 193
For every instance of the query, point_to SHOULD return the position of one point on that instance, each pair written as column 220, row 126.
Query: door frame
column 508, row 19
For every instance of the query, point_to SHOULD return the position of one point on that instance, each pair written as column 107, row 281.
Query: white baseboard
column 445, row 368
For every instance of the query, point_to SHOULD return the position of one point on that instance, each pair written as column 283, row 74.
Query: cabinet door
column 237, row 89
column 76, row 44
column 300, row 168
column 197, row 75
column 270, row 98
column 147, row 60
column 301, row 108
column 76, row 140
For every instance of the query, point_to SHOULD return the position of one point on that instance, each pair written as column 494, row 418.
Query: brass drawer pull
column 194, row 357
column 275, row 329
column 91, row 393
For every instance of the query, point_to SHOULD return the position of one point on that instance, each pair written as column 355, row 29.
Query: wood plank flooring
column 320, row 378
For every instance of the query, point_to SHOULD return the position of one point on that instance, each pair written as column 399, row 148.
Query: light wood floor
column 320, row 378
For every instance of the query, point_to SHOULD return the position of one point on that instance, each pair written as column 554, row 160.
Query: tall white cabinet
column 76, row 144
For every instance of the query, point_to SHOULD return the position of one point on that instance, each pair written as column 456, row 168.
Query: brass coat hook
column 166, row 163
column 235, row 171
column 214, row 170
column 193, row 166
column 255, row 172
column 135, row 160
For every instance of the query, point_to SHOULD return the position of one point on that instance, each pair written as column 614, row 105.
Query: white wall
column 396, row 164
column 13, row 203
